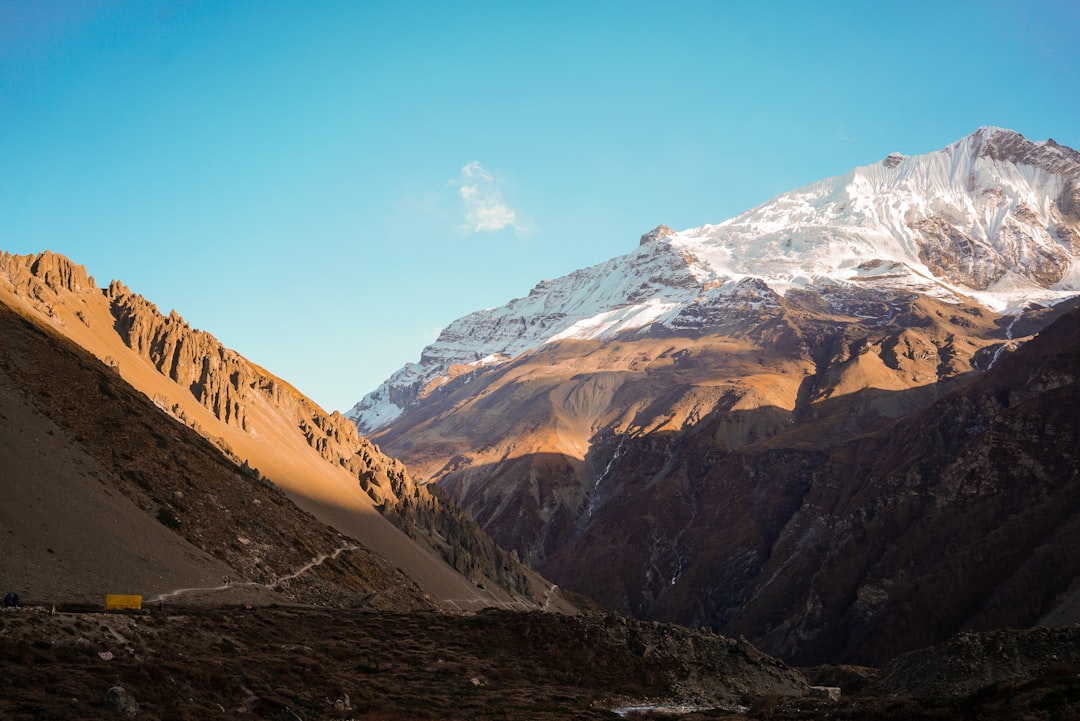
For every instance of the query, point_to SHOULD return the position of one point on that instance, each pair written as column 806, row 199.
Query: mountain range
column 992, row 218
column 841, row 423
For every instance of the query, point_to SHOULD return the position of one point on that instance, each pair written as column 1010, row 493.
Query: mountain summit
column 787, row 424
column 993, row 218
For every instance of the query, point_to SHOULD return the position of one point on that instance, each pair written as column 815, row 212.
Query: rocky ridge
column 105, row 493
column 339, row 664
column 335, row 664
column 255, row 405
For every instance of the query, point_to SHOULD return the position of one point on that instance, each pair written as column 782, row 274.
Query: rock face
column 270, row 429
column 104, row 492
column 700, row 430
column 823, row 543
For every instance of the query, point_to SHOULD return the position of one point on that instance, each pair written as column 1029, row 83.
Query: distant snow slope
column 992, row 217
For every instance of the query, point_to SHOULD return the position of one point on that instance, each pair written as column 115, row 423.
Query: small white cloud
column 485, row 209
column 475, row 170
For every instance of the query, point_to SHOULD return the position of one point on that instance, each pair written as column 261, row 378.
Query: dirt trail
column 269, row 585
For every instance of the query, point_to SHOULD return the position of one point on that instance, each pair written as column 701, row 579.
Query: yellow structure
column 116, row 602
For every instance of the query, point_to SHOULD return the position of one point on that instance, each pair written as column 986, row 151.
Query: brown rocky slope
column 964, row 514
column 269, row 429
column 104, row 493
column 549, row 415
column 709, row 477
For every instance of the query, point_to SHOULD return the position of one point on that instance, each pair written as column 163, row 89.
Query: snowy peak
column 660, row 231
column 993, row 218
column 1011, row 147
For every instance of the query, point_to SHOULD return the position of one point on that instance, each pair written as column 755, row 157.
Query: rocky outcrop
column 216, row 376
column 230, row 386
column 969, row 662
column 120, row 701
column 660, row 231
column 1011, row 147
column 39, row 278
column 137, row 501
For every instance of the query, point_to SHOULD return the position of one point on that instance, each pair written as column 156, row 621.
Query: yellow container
column 116, row 602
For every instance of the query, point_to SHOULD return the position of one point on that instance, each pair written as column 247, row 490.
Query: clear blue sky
column 324, row 185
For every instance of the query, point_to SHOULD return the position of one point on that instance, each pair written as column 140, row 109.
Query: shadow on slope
column 825, row 544
column 105, row 493
column 271, row 430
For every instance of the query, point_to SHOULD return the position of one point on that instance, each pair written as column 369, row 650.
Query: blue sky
column 324, row 185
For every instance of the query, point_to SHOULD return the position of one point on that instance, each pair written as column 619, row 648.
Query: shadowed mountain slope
column 278, row 438
column 964, row 514
column 104, row 493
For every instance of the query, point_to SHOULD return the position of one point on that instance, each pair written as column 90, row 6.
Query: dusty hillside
column 263, row 424
column 104, row 493
column 552, row 415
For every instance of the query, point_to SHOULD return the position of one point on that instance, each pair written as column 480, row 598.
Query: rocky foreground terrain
column 289, row 663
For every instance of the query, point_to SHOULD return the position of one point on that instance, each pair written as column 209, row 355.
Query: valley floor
column 292, row 663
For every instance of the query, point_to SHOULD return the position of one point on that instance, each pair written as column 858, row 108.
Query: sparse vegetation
column 286, row 663
column 264, row 663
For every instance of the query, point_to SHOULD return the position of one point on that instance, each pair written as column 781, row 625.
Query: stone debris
column 825, row 693
column 118, row 699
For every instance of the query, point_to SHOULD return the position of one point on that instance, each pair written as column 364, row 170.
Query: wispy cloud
column 485, row 209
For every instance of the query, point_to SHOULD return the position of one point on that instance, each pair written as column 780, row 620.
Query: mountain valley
column 817, row 461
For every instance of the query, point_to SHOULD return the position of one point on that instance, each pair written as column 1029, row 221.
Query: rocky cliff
column 255, row 408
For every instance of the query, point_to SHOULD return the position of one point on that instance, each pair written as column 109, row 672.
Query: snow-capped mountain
column 992, row 218
column 792, row 424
